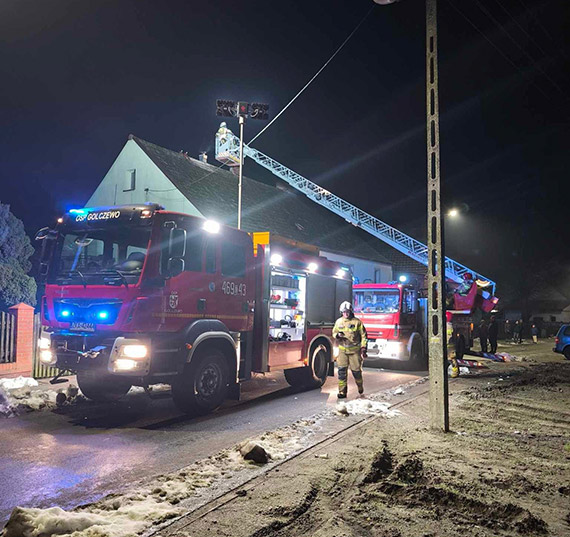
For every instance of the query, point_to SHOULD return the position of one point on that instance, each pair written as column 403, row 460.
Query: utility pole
column 241, row 110
column 437, row 325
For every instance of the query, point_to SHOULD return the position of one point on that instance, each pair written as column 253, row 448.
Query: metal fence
column 41, row 371
column 7, row 338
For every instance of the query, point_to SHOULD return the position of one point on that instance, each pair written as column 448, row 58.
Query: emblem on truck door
column 173, row 300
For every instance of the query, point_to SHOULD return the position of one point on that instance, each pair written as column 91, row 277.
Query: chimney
column 203, row 157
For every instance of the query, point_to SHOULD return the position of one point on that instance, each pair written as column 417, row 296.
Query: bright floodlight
column 211, row 227
column 453, row 213
column 403, row 278
column 276, row 259
column 313, row 267
column 340, row 273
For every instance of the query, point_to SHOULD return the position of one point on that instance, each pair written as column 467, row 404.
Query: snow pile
column 282, row 443
column 18, row 382
column 127, row 520
column 22, row 394
column 366, row 406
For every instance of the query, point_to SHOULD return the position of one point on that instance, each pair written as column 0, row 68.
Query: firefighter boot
column 342, row 384
column 358, row 379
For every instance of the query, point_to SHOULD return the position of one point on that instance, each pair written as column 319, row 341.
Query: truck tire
column 418, row 359
column 101, row 386
column 312, row 376
column 203, row 385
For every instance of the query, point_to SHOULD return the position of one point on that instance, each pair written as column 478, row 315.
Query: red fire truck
column 136, row 295
column 395, row 317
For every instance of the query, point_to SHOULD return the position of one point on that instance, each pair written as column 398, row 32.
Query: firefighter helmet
column 345, row 306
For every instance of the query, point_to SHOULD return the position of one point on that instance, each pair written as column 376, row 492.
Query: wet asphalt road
column 80, row 453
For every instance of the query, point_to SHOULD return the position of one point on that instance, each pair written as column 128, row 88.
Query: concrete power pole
column 437, row 326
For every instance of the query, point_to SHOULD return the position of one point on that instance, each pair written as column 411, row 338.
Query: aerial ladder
column 227, row 152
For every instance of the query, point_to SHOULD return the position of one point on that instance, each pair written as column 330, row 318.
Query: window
column 233, row 260
column 130, row 180
column 567, row 331
column 410, row 301
column 193, row 258
column 211, row 257
column 377, row 301
column 93, row 257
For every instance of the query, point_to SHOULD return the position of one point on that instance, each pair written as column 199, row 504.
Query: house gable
column 135, row 178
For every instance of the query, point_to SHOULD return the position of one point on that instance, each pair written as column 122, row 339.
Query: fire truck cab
column 395, row 320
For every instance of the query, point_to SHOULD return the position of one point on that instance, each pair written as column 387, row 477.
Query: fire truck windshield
column 377, row 301
column 113, row 256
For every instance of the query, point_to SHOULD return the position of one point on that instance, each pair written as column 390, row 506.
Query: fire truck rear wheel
column 101, row 386
column 417, row 356
column 312, row 376
column 203, row 385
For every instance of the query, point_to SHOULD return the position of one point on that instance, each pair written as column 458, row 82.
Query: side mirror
column 177, row 243
column 42, row 234
column 175, row 266
column 47, row 236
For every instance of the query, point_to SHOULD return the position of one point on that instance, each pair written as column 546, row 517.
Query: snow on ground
column 130, row 513
column 367, row 406
column 18, row 382
column 23, row 394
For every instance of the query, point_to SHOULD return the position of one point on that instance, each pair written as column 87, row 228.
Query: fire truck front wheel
column 203, row 385
column 101, row 386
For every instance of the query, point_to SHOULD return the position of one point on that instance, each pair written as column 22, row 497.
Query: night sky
column 77, row 77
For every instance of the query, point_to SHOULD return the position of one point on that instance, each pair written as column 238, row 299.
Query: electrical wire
column 486, row 12
column 521, row 28
column 315, row 76
column 450, row 2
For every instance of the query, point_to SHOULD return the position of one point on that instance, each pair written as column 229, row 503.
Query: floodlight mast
column 242, row 110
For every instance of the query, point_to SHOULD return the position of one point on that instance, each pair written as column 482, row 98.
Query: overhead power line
column 315, row 76
column 497, row 48
column 514, row 41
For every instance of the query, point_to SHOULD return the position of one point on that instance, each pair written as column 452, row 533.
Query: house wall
column 363, row 269
column 553, row 316
column 114, row 188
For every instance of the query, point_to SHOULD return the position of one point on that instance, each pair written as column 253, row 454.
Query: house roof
column 281, row 210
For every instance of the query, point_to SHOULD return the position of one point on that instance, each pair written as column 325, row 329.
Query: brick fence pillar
column 24, row 332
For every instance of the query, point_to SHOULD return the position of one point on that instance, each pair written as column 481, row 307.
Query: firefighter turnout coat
column 354, row 334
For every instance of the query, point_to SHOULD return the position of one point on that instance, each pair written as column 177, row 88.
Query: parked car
column 562, row 341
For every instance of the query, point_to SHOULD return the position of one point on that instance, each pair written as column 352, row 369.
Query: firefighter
column 222, row 132
column 350, row 333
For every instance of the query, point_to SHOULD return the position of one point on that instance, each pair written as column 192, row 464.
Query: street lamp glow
column 453, row 213
column 403, row 278
column 313, row 267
